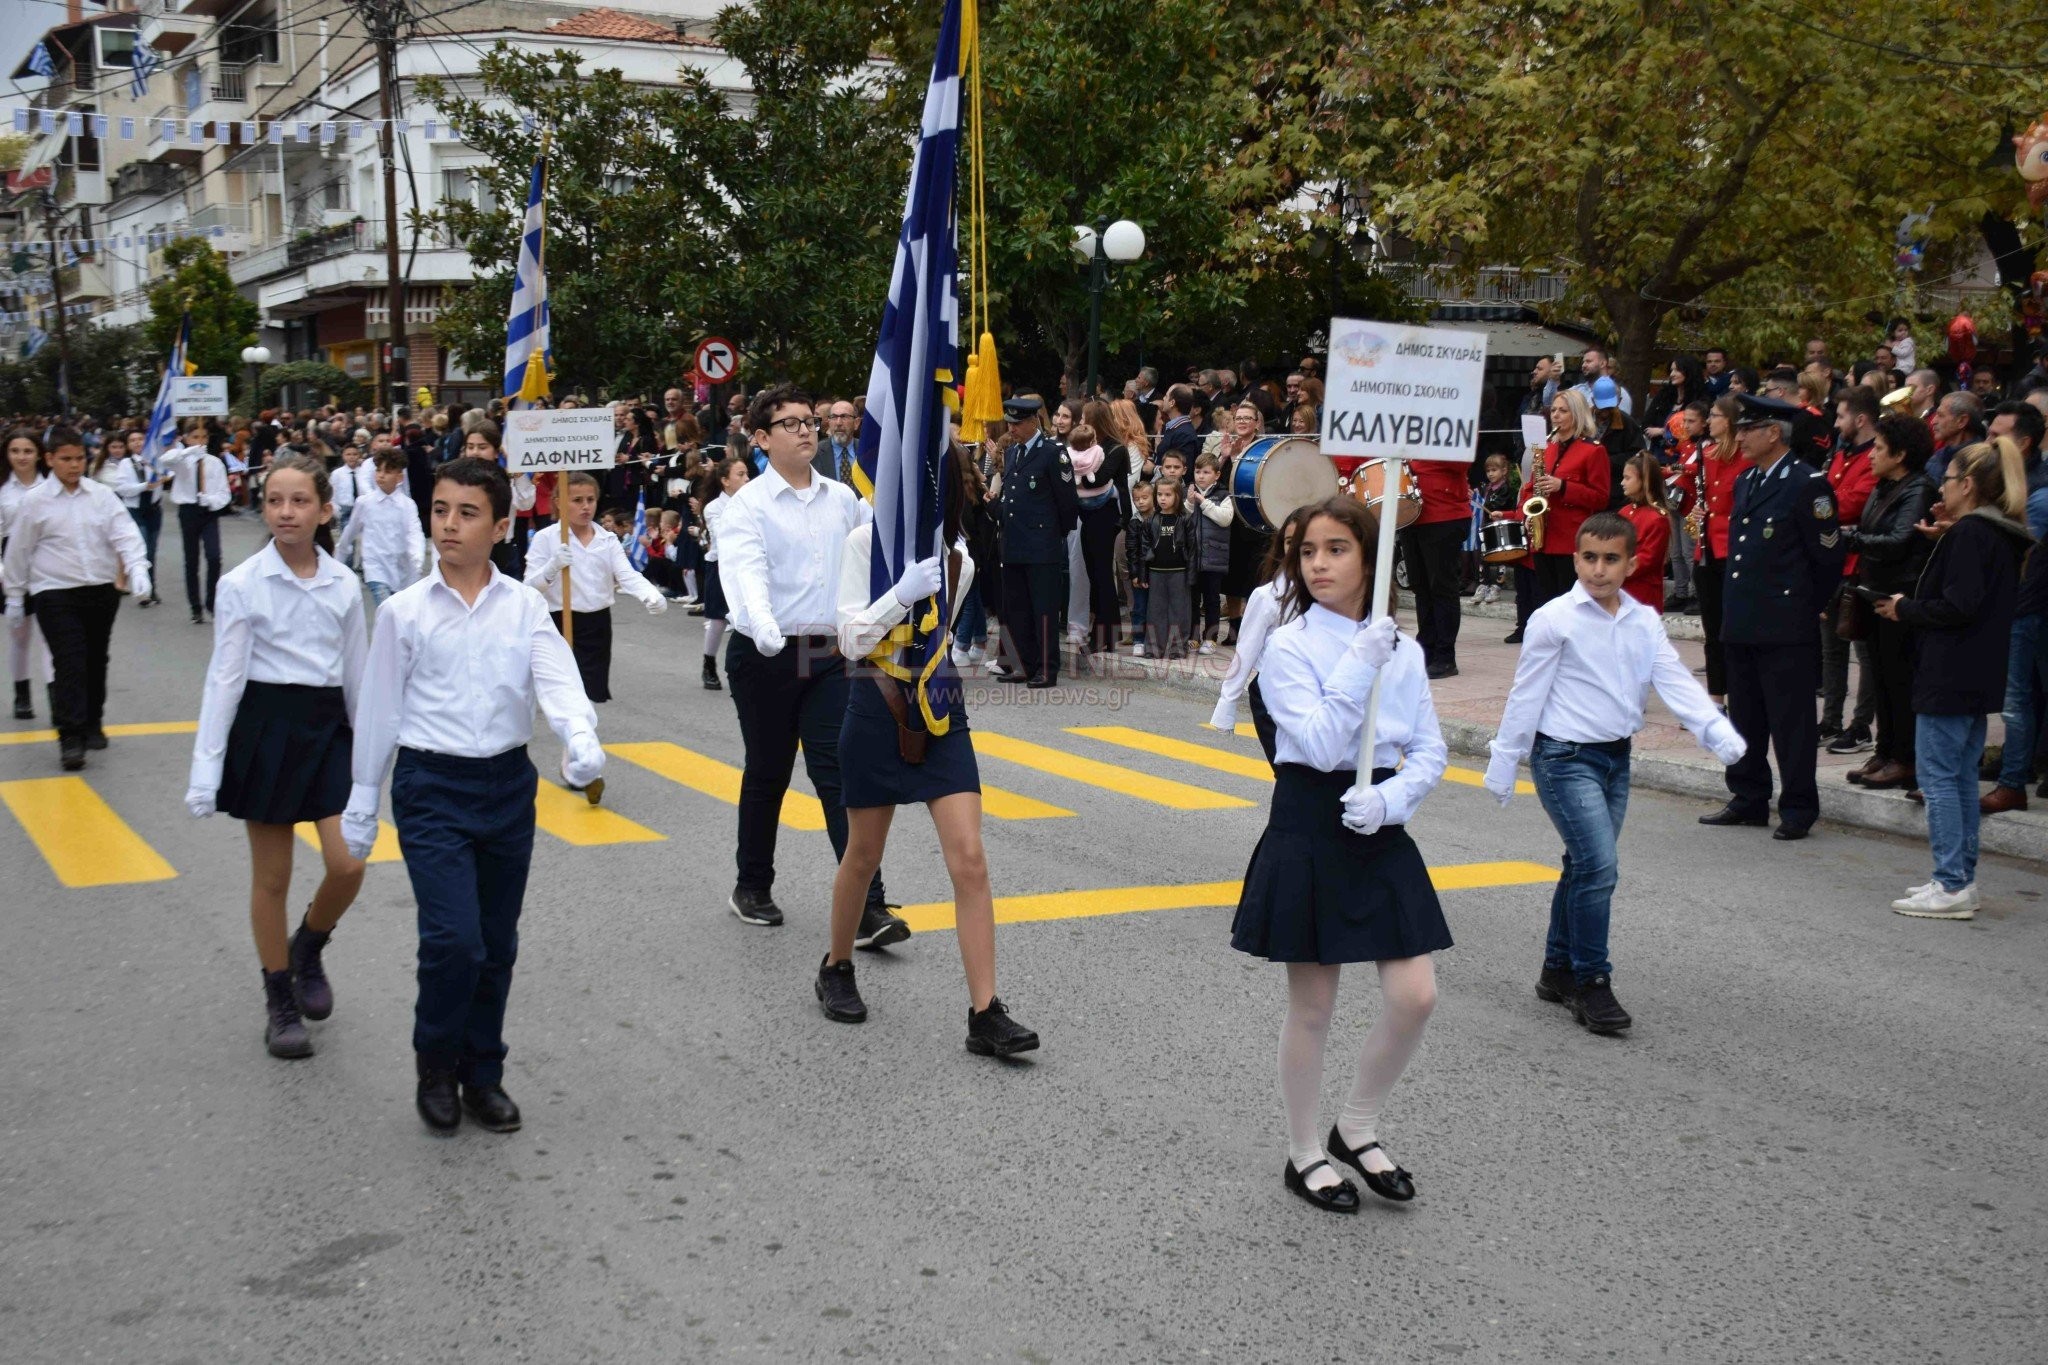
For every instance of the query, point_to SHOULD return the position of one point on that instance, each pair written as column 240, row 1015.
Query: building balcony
column 151, row 178
column 182, row 152
column 1488, row 284
column 167, row 26
column 81, row 187
column 317, row 270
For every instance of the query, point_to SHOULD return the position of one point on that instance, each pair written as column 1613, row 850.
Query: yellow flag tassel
column 984, row 400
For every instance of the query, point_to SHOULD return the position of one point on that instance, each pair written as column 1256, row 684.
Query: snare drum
column 1277, row 474
column 1503, row 542
column 1370, row 478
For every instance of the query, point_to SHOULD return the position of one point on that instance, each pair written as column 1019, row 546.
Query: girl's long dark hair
column 1278, row 550
column 1355, row 517
column 323, row 489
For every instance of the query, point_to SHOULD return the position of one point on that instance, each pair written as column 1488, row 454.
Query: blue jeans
column 971, row 628
column 379, row 592
column 1584, row 790
column 1950, row 748
column 1139, row 598
column 2027, row 662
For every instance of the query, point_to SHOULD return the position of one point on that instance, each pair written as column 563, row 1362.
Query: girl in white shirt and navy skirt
column 1265, row 608
column 598, row 571
column 1335, row 877
column 276, row 734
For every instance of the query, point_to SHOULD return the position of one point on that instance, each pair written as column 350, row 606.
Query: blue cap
column 1606, row 393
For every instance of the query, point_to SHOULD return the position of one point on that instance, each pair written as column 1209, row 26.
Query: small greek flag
column 40, row 61
column 528, row 354
column 636, row 553
column 161, row 432
column 147, row 64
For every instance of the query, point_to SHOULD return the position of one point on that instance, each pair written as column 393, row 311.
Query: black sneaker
column 1594, row 1005
column 24, row 706
column 1854, row 740
column 71, row 754
column 711, row 682
column 993, row 1033
column 1515, row 638
column 1827, row 732
column 879, row 928
column 1556, row 984
column 96, row 739
column 284, row 1033
column 837, row 994
column 755, row 907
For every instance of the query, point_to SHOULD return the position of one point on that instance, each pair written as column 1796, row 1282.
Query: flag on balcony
column 147, row 64
column 40, row 61
column 157, row 437
column 528, row 354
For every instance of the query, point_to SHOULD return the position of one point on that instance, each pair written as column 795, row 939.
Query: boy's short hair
column 1205, row 460
column 60, row 437
column 1180, row 455
column 1608, row 526
column 581, row 478
column 761, row 411
column 467, row 471
column 671, row 517
column 391, row 459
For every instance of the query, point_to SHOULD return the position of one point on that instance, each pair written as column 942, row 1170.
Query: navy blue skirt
column 871, row 768
column 1318, row 892
column 288, row 755
column 713, row 594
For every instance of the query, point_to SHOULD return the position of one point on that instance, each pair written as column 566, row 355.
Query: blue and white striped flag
column 161, row 433
column 147, row 64
column 528, row 355
column 40, row 61
column 636, row 552
column 905, row 453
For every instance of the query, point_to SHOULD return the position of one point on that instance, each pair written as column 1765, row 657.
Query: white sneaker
column 1936, row 903
column 1922, row 889
column 961, row 658
column 977, row 656
column 1208, row 647
column 1137, row 651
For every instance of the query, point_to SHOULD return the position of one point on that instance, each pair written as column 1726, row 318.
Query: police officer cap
column 1759, row 410
column 1023, row 407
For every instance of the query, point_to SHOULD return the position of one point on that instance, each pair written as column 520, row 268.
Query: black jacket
column 1961, row 615
column 1891, row 553
column 1623, row 444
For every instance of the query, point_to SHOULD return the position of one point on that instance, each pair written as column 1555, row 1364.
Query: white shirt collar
column 1581, row 598
column 777, row 485
column 439, row 579
column 1320, row 617
column 269, row 561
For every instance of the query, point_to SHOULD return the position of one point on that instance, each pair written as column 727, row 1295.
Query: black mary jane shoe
column 1341, row 1197
column 1396, row 1184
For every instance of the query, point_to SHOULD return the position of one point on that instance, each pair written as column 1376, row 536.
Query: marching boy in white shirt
column 386, row 526
column 456, row 666
column 598, row 569
column 1588, row 662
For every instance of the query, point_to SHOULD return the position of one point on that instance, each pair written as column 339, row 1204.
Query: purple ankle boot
column 309, row 978
column 285, row 1033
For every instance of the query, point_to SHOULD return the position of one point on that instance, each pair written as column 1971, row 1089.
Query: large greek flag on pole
column 528, row 353
column 162, row 431
column 904, row 457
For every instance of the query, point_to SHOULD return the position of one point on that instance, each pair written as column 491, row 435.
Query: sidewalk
column 1666, row 757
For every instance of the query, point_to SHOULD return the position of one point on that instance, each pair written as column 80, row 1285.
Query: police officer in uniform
column 1784, row 563
column 1038, row 506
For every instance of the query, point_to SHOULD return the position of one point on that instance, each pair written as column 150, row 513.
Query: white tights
column 1408, row 990
column 714, row 631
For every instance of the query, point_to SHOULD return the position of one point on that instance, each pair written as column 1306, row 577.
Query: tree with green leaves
column 196, row 281
column 114, row 372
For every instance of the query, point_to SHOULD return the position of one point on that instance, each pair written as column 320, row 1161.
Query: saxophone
column 1533, row 510
column 1696, row 519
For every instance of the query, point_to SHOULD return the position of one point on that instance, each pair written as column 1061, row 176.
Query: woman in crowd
column 1301, row 420
column 27, row 656
column 1245, row 424
column 1890, row 552
column 1573, row 476
column 1721, row 462
column 1127, row 429
column 1961, row 611
column 1101, row 479
column 1687, row 385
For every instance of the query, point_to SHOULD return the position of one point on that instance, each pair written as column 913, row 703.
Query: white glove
column 1374, row 644
column 359, row 831
column 559, row 560
column 1729, row 751
column 1365, row 810
column 656, row 604
column 919, row 581
column 199, row 801
column 139, row 585
column 768, row 639
column 1500, row 780
column 582, row 760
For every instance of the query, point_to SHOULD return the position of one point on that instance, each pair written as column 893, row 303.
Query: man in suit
column 1038, row 505
column 1178, row 430
column 836, row 452
column 1784, row 563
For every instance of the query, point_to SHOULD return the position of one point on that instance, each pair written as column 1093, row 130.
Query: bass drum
column 1504, row 542
column 1369, row 480
column 1277, row 474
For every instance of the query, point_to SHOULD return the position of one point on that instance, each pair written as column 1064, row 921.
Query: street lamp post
column 1120, row 241
column 255, row 357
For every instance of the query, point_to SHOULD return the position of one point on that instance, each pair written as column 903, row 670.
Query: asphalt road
column 1823, row 1141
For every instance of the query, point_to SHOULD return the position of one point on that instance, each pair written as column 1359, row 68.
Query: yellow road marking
column 152, row 727
column 1125, row 900
column 714, row 779
column 1207, row 756
column 385, row 850
column 1468, row 777
column 1108, row 776
column 80, row 836
column 1008, row 805
column 573, row 820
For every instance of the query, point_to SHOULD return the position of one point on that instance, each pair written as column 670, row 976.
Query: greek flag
column 902, row 465
column 528, row 354
column 161, row 433
column 636, row 552
column 40, row 62
column 147, row 64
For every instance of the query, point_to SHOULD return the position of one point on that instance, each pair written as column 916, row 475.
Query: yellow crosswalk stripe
column 80, row 836
column 1009, row 805
column 152, row 727
column 1125, row 900
column 1207, row 756
column 718, row 780
column 1108, row 776
column 1468, row 777
column 385, row 850
column 573, row 820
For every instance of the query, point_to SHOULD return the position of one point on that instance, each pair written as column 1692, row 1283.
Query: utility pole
column 51, row 223
column 382, row 18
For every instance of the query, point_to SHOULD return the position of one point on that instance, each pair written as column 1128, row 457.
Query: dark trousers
column 1891, row 672
column 1554, row 577
column 1262, row 723
column 77, row 624
column 592, row 646
column 1770, row 699
column 197, row 529
column 1432, row 553
column 1208, row 595
column 798, row 695
column 465, row 827
column 1706, row 583
column 1099, row 529
column 1525, row 594
column 149, row 520
column 1034, row 595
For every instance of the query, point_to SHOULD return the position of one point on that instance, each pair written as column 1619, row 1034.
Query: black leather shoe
column 837, row 994
column 879, row 928
column 1341, row 1197
column 24, row 705
column 1396, row 1184
column 1732, row 814
column 711, row 682
column 1791, row 833
column 1040, row 682
column 993, row 1033
column 1442, row 670
column 1515, row 638
column 491, row 1107
column 436, row 1101
column 71, row 754
column 1594, row 1006
column 1556, row 985
column 96, row 740
column 755, row 907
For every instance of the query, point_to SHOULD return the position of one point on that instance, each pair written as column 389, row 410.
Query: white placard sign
column 199, row 395
column 1398, row 392
column 545, row 440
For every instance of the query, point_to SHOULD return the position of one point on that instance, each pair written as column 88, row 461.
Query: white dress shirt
column 71, row 539
column 197, row 477
column 12, row 491
column 1316, row 690
column 353, row 483
column 124, row 475
column 598, row 569
column 778, row 553
column 864, row 620
column 714, row 513
column 448, row 677
column 272, row 626
column 1261, row 613
column 1584, row 677
column 387, row 527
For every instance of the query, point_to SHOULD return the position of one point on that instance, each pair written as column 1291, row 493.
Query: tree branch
column 1733, row 180
column 1703, row 11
